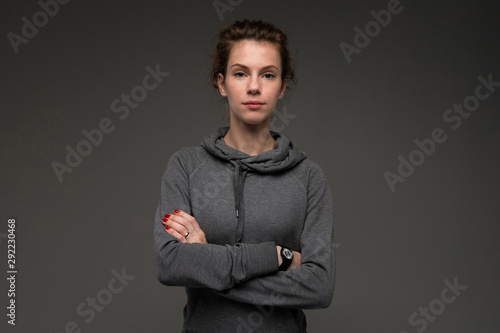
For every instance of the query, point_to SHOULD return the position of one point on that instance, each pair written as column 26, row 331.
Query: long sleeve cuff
column 262, row 259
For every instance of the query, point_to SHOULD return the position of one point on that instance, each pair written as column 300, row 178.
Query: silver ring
column 186, row 234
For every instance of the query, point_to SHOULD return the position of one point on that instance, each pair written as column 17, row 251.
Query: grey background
column 395, row 249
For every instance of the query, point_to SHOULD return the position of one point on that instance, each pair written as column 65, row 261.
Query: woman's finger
column 188, row 221
column 174, row 233
column 196, row 233
column 185, row 227
column 178, row 227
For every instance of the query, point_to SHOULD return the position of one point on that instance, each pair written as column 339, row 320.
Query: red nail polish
column 167, row 215
column 165, row 220
column 167, row 228
column 177, row 211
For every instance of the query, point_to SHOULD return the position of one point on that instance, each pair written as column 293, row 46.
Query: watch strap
column 286, row 261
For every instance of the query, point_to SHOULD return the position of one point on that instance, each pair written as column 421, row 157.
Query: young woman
column 245, row 220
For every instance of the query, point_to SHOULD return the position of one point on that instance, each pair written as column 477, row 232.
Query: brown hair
column 254, row 30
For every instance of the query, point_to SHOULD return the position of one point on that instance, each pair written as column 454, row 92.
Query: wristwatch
column 287, row 256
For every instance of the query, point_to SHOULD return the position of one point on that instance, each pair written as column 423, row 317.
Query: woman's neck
column 250, row 139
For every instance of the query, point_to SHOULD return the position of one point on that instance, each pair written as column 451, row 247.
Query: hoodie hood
column 285, row 155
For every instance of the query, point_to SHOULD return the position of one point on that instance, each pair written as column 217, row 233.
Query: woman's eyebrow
column 246, row 67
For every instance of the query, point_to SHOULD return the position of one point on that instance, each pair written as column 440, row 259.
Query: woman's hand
column 184, row 227
column 295, row 261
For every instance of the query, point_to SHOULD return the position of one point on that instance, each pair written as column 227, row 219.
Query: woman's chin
column 255, row 119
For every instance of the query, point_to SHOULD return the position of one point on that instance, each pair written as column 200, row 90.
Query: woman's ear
column 283, row 88
column 221, row 83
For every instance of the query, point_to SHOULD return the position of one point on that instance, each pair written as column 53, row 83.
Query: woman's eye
column 239, row 74
column 269, row 76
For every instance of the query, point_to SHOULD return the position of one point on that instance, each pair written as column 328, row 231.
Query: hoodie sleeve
column 213, row 266
column 311, row 285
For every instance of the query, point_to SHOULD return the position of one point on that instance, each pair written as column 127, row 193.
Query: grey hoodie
column 246, row 205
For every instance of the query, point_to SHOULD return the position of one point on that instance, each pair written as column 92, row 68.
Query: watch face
column 287, row 253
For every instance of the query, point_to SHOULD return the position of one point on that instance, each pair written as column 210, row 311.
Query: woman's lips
column 253, row 104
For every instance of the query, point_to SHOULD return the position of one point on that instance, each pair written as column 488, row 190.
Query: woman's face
column 253, row 81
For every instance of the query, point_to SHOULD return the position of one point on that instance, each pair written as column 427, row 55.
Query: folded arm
column 218, row 267
column 311, row 285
